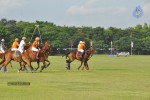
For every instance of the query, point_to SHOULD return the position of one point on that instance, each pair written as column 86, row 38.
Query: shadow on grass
column 111, row 69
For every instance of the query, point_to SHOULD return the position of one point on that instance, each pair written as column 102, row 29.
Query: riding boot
column 83, row 55
column 68, row 66
column 5, row 69
column 25, row 68
column 0, row 67
column 37, row 55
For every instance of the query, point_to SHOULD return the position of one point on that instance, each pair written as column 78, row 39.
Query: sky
column 91, row 13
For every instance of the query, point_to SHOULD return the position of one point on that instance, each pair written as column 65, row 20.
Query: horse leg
column 25, row 68
column 44, row 66
column 48, row 63
column 1, row 65
column 68, row 64
column 86, row 65
column 3, row 59
column 83, row 66
column 5, row 64
column 20, row 67
column 80, row 65
column 32, row 69
column 38, row 63
column 10, row 64
column 30, row 66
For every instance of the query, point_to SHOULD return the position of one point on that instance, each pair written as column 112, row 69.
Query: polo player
column 15, row 45
column 2, row 46
column 81, row 48
column 35, row 46
column 22, row 44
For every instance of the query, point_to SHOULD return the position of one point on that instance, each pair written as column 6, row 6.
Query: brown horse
column 2, row 57
column 8, row 56
column 75, row 55
column 2, row 54
column 30, row 56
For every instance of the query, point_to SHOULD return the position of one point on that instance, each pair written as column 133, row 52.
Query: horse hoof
column 33, row 71
column 67, row 68
column 18, row 71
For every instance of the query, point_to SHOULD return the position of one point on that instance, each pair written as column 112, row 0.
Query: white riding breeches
column 14, row 49
column 20, row 50
column 81, row 51
column 34, row 49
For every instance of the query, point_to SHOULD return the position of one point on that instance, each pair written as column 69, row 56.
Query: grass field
column 109, row 78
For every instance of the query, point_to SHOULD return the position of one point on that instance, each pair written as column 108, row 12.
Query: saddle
column 36, row 54
column 17, row 53
column 79, row 54
column 1, row 51
column 33, row 52
column 1, row 54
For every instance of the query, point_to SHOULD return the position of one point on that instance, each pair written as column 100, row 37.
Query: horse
column 6, row 49
column 75, row 55
column 2, row 57
column 30, row 56
column 8, row 56
column 3, row 49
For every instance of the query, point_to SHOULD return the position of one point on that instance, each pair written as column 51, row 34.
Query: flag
column 138, row 12
column 131, row 44
column 71, row 43
column 91, row 43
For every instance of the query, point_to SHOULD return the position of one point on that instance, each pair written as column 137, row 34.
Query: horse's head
column 92, row 49
column 27, row 45
column 89, row 52
column 47, row 47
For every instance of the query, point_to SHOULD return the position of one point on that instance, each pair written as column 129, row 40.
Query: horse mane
column 27, row 45
column 46, row 48
column 90, row 51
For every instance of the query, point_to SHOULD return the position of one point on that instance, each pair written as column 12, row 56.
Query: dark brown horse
column 74, row 55
column 30, row 56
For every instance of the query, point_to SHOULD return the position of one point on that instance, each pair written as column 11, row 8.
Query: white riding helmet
column 37, row 38
column 3, row 40
column 23, row 38
column 80, row 42
column 16, row 39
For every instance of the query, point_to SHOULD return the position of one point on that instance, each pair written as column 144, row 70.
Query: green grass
column 109, row 78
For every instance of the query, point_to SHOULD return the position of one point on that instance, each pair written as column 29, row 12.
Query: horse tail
column 3, row 59
column 66, row 54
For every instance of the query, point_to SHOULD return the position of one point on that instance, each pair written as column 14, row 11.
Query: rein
column 91, row 52
column 44, row 50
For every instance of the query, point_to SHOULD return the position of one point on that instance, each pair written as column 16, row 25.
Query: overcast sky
column 94, row 13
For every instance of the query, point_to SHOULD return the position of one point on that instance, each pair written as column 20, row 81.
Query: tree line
column 69, row 36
